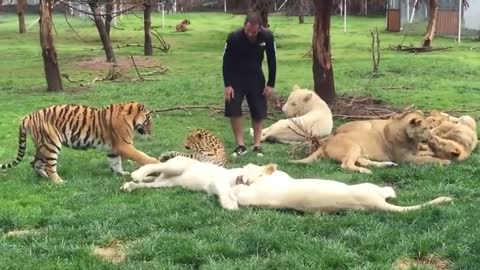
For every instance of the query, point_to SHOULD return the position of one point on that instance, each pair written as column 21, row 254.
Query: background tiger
column 204, row 146
column 82, row 127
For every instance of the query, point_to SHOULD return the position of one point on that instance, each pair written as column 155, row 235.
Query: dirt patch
column 122, row 62
column 114, row 252
column 15, row 233
column 124, row 69
column 348, row 107
column 363, row 107
column 429, row 262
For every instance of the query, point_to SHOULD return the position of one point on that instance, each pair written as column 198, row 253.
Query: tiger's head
column 139, row 116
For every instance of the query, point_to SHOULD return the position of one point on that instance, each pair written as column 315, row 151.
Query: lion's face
column 299, row 102
column 446, row 149
column 435, row 119
column 417, row 129
column 252, row 173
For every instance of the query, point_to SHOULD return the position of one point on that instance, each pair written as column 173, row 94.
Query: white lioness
column 379, row 143
column 193, row 175
column 280, row 191
column 303, row 108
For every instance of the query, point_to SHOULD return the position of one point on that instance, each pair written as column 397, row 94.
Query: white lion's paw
column 137, row 176
column 122, row 173
column 128, row 187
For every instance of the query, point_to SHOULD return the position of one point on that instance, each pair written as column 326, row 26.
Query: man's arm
column 228, row 62
column 271, row 60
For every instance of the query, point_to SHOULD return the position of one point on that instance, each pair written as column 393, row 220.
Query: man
column 243, row 77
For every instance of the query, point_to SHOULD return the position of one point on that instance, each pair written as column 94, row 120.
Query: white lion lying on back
column 194, row 175
column 278, row 190
column 305, row 108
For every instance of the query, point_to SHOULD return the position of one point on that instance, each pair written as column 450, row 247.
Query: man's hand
column 229, row 93
column 268, row 91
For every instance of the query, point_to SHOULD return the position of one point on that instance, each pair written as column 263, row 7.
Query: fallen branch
column 214, row 109
column 133, row 45
column 186, row 108
column 367, row 117
column 67, row 77
column 136, row 69
column 164, row 46
column 114, row 74
column 309, row 53
column 462, row 110
column 412, row 49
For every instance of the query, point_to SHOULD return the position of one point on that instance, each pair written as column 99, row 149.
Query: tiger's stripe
column 83, row 127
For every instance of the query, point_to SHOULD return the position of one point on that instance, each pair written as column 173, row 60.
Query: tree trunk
column 322, row 63
column 108, row 16
column 107, row 44
column 21, row 16
column 261, row 6
column 301, row 7
column 50, row 64
column 432, row 22
column 264, row 14
column 301, row 19
column 147, row 10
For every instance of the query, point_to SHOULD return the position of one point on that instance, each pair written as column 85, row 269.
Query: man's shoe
column 240, row 150
column 258, row 151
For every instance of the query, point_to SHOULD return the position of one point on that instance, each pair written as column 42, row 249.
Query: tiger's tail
column 22, row 144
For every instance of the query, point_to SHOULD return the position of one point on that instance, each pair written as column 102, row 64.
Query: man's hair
column 253, row 18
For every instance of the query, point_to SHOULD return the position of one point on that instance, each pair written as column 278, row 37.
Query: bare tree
column 102, row 31
column 108, row 15
column 147, row 10
column 432, row 22
column 49, row 54
column 21, row 4
column 322, row 59
column 262, row 7
column 301, row 11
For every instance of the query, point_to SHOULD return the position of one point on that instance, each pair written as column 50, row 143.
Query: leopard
column 204, row 146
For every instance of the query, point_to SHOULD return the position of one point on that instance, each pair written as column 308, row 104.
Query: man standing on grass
column 243, row 77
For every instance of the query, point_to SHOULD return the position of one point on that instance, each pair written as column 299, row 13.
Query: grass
column 178, row 229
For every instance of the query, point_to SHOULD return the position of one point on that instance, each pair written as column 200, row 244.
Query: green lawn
column 178, row 229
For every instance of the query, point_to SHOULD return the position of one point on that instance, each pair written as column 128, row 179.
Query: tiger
column 81, row 127
column 205, row 147
column 182, row 26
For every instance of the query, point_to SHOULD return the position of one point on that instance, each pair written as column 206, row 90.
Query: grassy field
column 178, row 229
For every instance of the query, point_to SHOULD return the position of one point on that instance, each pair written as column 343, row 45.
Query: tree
column 21, row 4
column 147, row 10
column 301, row 11
column 262, row 7
column 102, row 31
column 49, row 54
column 432, row 22
column 322, row 60
column 108, row 15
